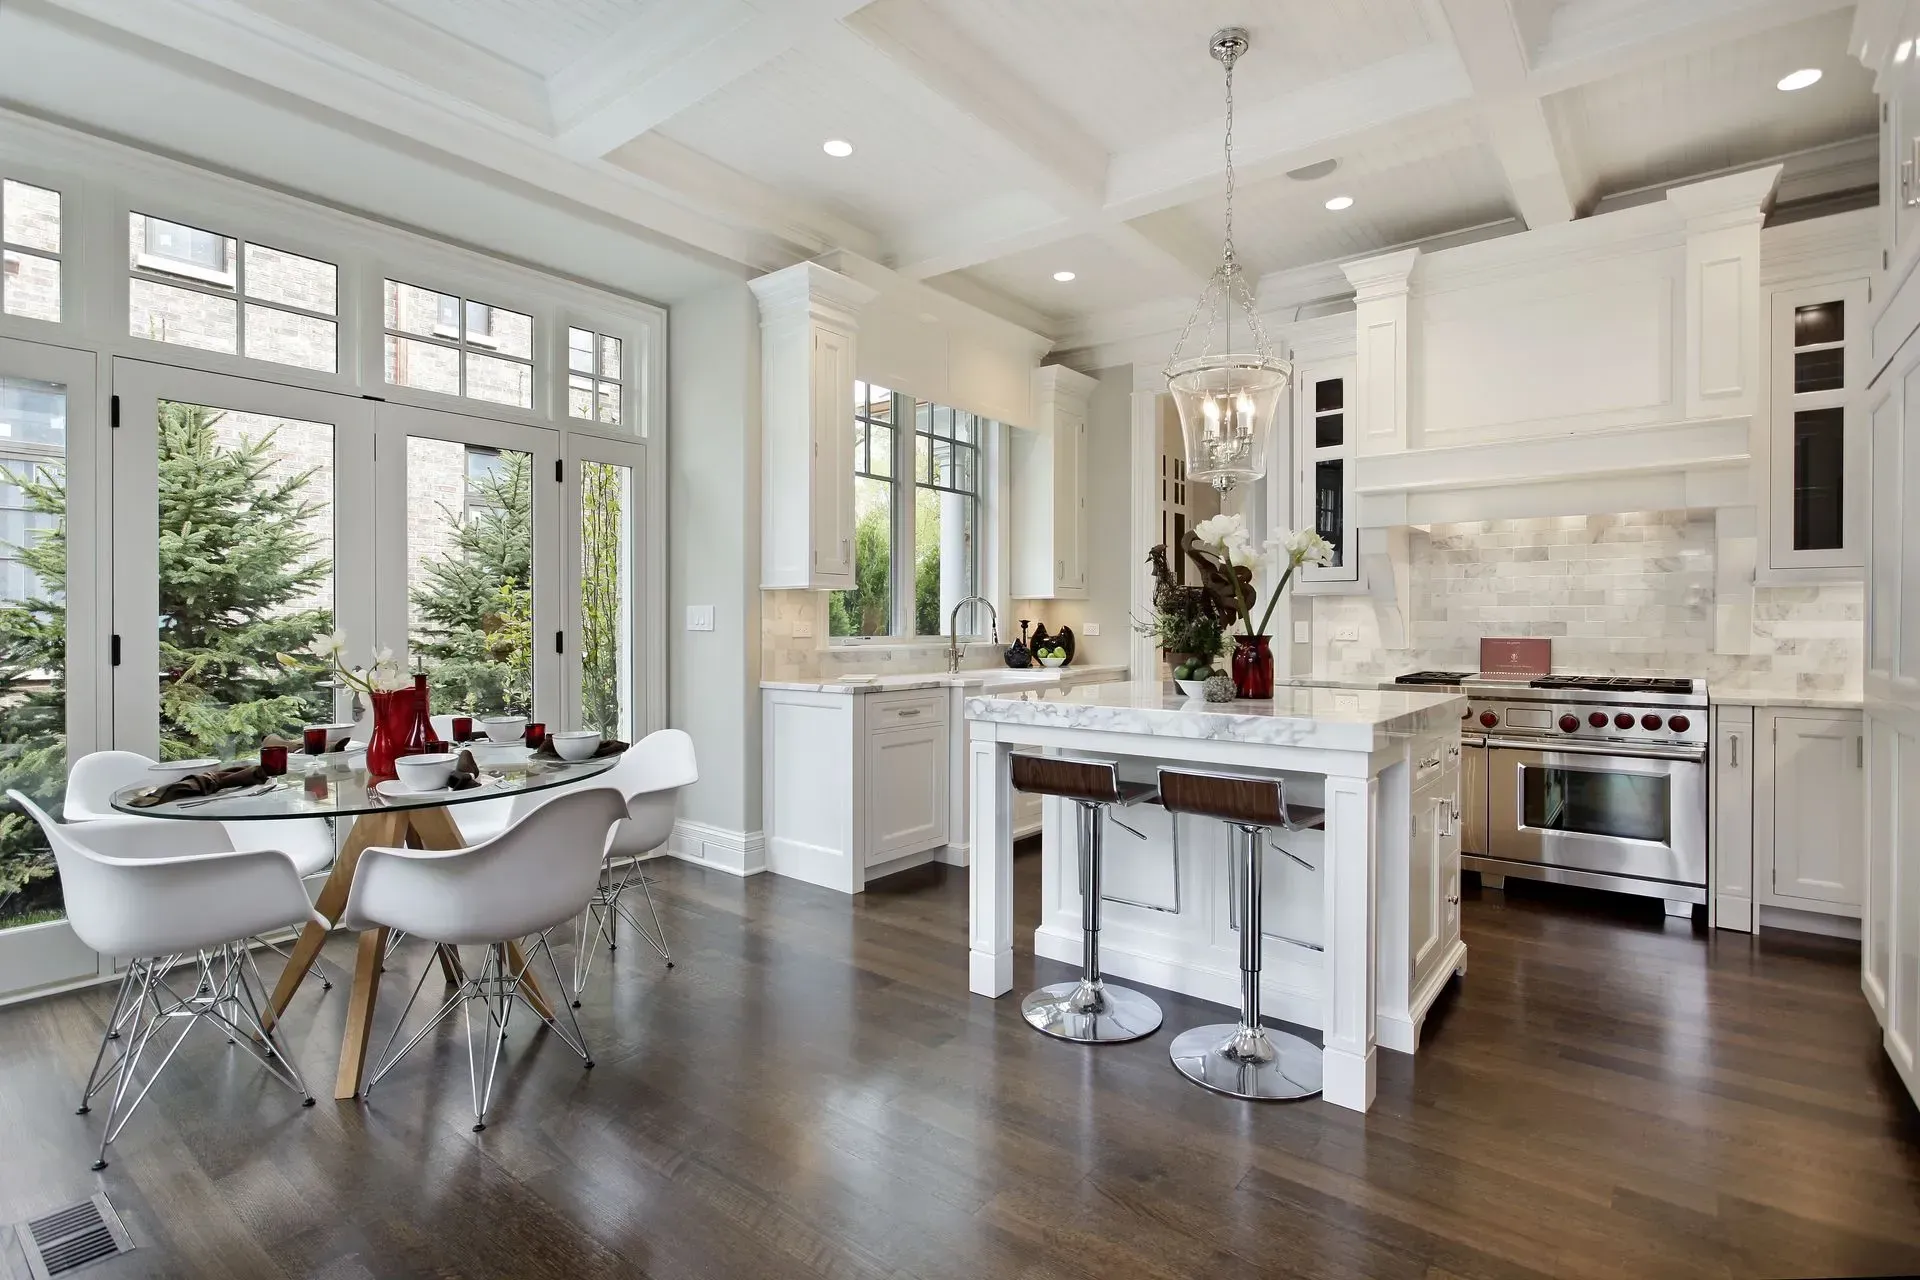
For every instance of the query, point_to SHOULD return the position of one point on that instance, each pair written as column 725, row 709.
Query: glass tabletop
column 330, row 787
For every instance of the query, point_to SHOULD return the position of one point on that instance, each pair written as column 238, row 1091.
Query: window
column 1816, row 484
column 917, row 517
column 430, row 341
column 195, row 288
column 594, row 383
column 29, row 251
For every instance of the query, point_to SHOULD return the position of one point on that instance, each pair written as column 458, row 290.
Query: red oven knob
column 1679, row 724
column 1597, row 719
column 1489, row 719
column 1649, row 722
column 1623, row 721
column 1569, row 723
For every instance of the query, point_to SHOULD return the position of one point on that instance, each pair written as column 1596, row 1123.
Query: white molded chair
column 193, row 905
column 97, row 775
column 523, row 883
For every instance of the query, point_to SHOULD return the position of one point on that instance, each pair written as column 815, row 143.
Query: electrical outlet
column 699, row 617
column 1093, row 628
column 1347, row 633
column 1303, row 632
column 802, row 628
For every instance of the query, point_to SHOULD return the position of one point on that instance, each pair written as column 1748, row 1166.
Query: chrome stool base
column 1257, row 1064
column 1090, row 1012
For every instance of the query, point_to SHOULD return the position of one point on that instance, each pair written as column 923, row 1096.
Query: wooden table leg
column 366, row 993
column 450, row 964
column 436, row 829
column 368, row 830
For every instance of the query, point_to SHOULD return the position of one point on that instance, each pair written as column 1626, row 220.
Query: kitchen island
column 1362, row 919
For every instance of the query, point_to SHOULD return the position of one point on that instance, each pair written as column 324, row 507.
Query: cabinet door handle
column 1860, row 752
column 909, row 711
column 1733, row 751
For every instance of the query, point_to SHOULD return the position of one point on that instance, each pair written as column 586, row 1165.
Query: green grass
column 30, row 917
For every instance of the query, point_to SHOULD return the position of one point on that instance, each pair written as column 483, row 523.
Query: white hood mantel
column 1614, row 363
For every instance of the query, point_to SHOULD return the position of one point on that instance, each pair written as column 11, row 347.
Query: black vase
column 1018, row 655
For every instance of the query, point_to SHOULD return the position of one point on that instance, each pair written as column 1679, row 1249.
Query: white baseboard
column 740, row 853
column 1810, row 922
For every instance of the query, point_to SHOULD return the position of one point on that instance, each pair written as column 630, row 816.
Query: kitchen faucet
column 953, row 633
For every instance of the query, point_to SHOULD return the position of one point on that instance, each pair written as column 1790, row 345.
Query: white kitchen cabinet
column 1809, row 826
column 1420, row 952
column 807, row 336
column 854, row 783
column 1730, row 819
column 1049, row 483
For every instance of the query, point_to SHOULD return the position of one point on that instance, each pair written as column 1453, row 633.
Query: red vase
column 392, row 725
column 1252, row 667
column 420, row 733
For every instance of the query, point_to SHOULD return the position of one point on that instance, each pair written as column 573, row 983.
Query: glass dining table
column 384, row 814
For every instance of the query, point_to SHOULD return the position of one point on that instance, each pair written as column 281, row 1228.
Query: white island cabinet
column 1362, row 920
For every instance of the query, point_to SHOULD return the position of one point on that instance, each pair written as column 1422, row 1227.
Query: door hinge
column 114, row 659
column 559, row 642
column 557, row 478
column 113, row 413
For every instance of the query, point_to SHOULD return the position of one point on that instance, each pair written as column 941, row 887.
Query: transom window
column 594, row 383
column 191, row 287
column 916, row 517
column 458, row 347
column 29, row 251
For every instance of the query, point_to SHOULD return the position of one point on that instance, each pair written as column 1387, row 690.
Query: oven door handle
column 1692, row 754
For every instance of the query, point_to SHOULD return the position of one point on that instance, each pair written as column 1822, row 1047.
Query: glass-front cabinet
column 1323, row 458
column 1818, row 467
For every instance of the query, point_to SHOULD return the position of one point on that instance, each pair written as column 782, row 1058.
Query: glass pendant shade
column 1227, row 406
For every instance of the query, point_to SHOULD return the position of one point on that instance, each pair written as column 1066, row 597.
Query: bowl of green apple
column 1051, row 655
column 1192, row 677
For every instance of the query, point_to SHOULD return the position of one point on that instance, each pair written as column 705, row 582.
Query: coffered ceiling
column 996, row 142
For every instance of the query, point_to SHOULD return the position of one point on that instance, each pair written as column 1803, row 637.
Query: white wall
column 713, row 398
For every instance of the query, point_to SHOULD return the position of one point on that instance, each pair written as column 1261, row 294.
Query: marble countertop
column 1298, row 715
column 982, row 677
column 1733, row 695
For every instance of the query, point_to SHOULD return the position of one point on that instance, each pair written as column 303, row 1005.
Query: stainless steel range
column 1589, row 780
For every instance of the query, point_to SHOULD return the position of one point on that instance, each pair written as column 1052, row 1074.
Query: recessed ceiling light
column 1340, row 202
column 1063, row 276
column 840, row 148
column 1798, row 79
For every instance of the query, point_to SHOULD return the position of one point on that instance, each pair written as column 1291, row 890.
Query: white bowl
column 1060, row 661
column 425, row 772
column 1193, row 688
column 575, row 744
column 174, row 770
column 504, row 730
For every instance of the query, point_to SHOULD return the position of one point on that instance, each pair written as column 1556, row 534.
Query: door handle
column 1860, row 752
column 1733, row 751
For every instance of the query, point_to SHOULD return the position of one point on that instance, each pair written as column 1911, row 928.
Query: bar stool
column 1090, row 1011
column 1244, row 1060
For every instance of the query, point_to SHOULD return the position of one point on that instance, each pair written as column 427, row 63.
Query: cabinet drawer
column 906, row 710
column 1430, row 760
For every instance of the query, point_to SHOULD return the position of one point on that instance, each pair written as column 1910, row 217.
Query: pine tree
column 237, row 561
column 473, row 613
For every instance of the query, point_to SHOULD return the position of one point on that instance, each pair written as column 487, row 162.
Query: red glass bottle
column 1252, row 667
column 420, row 734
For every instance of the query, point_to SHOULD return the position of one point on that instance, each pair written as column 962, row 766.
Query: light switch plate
column 1093, row 628
column 699, row 617
column 1303, row 632
column 802, row 628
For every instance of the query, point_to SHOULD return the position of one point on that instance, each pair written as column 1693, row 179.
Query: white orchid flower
column 1220, row 531
column 1241, row 553
column 383, row 657
column 328, row 645
column 1306, row 546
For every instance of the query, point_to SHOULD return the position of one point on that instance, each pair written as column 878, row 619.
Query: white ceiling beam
column 669, row 57
column 1590, row 40
column 1487, row 36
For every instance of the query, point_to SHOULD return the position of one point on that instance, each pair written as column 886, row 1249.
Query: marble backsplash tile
column 785, row 656
column 1625, row 594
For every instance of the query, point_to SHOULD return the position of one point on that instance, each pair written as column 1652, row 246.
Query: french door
column 52, row 646
column 604, row 684
column 243, row 526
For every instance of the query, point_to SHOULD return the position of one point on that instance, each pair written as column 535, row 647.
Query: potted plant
column 1189, row 622
column 1228, row 559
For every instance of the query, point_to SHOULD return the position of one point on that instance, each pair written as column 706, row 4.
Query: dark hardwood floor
column 813, row 1093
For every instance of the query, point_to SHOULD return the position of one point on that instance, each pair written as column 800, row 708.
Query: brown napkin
column 202, row 784
column 611, row 747
column 466, row 774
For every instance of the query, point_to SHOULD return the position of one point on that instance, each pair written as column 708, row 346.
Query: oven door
column 1625, row 813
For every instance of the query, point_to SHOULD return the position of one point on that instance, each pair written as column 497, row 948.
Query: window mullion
column 900, row 571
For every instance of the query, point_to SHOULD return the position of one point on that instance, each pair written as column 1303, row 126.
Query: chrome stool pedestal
column 1244, row 1059
column 1090, row 1010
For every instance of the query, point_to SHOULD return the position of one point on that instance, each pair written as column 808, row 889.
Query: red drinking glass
column 536, row 734
column 436, row 746
column 463, row 728
column 317, row 786
column 314, row 740
column 273, row 761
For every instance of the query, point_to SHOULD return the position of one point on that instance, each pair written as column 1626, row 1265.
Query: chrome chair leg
column 1246, row 1059
column 1090, row 1010
column 599, row 922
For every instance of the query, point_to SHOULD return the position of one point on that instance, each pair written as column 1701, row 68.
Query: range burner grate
column 1432, row 677
column 1617, row 684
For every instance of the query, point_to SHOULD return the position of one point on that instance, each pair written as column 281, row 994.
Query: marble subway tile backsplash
column 1620, row 594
